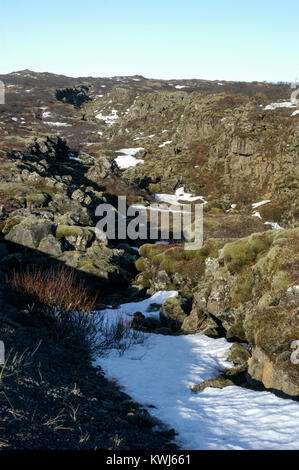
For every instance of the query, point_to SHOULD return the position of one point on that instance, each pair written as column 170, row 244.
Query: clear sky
column 211, row 39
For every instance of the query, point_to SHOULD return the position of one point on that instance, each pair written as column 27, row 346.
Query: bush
column 60, row 302
column 57, row 300
column 118, row 334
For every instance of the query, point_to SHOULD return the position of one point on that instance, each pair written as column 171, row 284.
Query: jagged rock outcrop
column 248, row 289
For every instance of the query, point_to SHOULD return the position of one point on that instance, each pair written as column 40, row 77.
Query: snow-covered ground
column 282, row 104
column 109, row 118
column 76, row 159
column 57, row 124
column 127, row 159
column 145, row 306
column 179, row 195
column 165, row 143
column 161, row 371
column 274, row 225
column 261, row 203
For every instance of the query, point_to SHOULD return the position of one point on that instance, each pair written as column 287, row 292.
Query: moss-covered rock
column 51, row 246
column 219, row 382
column 172, row 314
column 239, row 354
column 30, row 232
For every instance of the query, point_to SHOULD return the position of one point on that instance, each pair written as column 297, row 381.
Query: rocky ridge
column 59, row 140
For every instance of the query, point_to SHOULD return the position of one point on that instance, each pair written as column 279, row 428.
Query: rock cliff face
column 60, row 138
column 248, row 287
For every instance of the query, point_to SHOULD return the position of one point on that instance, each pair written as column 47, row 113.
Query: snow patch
column 274, row 225
column 149, row 307
column 261, row 203
column 179, row 195
column 109, row 119
column 127, row 160
column 76, row 159
column 165, row 143
column 57, row 124
column 160, row 372
column 283, row 104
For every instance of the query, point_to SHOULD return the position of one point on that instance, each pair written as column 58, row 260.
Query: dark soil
column 52, row 399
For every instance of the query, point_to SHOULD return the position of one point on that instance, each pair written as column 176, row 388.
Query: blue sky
column 216, row 39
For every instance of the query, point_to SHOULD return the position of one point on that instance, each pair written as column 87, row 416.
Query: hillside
column 70, row 144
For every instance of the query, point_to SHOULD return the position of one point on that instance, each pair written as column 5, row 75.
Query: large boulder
column 51, row 246
column 172, row 314
column 30, row 232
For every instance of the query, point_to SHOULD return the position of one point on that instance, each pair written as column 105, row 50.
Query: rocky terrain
column 70, row 144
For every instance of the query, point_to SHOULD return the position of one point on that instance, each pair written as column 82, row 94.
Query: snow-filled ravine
column 161, row 370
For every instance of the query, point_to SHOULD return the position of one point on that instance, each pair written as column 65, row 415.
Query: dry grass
column 58, row 289
column 59, row 301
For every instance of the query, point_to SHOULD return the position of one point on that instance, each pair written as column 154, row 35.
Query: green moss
column 264, row 301
column 140, row 264
column 148, row 250
column 238, row 354
column 243, row 252
column 64, row 231
column 236, row 331
column 281, row 281
column 11, row 222
column 36, row 199
column 242, row 290
column 143, row 279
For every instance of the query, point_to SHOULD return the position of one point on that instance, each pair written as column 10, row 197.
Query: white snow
column 165, row 143
column 261, row 203
column 282, row 104
column 149, row 307
column 46, row 114
column 256, row 214
column 179, row 87
column 84, row 153
column 160, row 372
column 143, row 138
column 295, row 112
column 57, row 124
column 178, row 195
column 274, row 225
column 159, row 208
column 14, row 119
column 127, row 160
column 72, row 157
column 110, row 118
